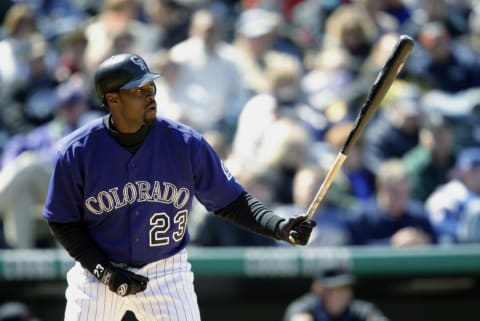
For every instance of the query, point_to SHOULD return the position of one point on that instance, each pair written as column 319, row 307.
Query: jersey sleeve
column 64, row 201
column 215, row 186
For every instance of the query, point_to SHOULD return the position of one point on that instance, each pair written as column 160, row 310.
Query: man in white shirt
column 213, row 89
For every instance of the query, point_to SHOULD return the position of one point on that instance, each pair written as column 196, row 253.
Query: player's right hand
column 124, row 282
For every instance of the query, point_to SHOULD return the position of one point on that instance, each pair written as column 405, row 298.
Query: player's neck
column 131, row 141
column 124, row 130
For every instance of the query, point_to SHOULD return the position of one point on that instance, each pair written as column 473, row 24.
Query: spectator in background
column 326, row 83
column 23, row 72
column 214, row 92
column 283, row 149
column 442, row 62
column 332, row 297
column 462, row 111
column 170, row 93
column 31, row 102
column 57, row 17
column 454, row 208
column 169, row 20
column 394, row 131
column 351, row 28
column 308, row 22
column 391, row 217
column 257, row 115
column 71, row 55
column 19, row 23
column 282, row 96
column 256, row 34
column 27, row 163
column 123, row 41
column 431, row 163
column 115, row 18
column 330, row 217
column 449, row 13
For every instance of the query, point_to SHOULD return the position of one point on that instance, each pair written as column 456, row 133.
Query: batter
column 120, row 197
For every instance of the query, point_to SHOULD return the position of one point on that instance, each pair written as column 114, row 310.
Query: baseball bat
column 377, row 92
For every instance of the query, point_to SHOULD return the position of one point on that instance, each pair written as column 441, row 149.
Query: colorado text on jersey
column 138, row 191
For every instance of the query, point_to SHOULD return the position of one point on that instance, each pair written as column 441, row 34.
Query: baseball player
column 119, row 202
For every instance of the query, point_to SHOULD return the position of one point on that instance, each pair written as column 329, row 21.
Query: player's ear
column 111, row 98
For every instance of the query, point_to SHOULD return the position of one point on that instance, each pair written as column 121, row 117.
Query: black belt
column 126, row 266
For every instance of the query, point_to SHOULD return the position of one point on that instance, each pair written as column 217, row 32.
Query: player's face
column 135, row 108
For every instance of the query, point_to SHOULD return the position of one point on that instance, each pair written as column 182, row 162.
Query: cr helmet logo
column 139, row 62
column 122, row 289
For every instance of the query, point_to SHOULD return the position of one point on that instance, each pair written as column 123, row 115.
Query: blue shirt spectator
column 443, row 63
column 375, row 226
column 454, row 208
column 391, row 217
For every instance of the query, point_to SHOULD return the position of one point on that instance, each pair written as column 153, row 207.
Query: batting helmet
column 122, row 71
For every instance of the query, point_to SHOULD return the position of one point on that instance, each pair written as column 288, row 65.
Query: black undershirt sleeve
column 78, row 244
column 250, row 214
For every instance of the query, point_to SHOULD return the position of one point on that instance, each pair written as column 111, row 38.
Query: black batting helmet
column 122, row 71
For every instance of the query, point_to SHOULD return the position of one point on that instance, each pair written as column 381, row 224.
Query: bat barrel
column 380, row 87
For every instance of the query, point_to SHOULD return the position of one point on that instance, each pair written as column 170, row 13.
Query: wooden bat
column 382, row 83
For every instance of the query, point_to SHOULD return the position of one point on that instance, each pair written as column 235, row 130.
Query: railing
column 52, row 264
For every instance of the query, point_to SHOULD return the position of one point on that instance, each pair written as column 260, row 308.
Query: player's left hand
column 124, row 282
column 296, row 230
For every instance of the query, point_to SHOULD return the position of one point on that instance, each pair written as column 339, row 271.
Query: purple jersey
column 136, row 206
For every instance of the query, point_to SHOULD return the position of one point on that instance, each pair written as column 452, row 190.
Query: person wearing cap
column 454, row 207
column 332, row 298
column 120, row 197
column 256, row 43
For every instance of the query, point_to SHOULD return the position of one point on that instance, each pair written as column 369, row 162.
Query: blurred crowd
column 275, row 86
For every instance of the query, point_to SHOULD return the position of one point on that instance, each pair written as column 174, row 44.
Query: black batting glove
column 295, row 230
column 121, row 281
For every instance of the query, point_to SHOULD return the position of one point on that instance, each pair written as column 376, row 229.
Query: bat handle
column 322, row 191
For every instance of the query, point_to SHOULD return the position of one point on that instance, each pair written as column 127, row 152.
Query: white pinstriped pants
column 170, row 295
